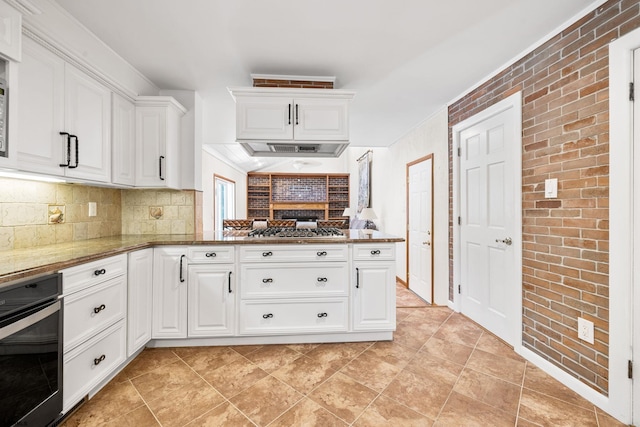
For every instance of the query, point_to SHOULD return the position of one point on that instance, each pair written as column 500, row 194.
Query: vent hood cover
column 294, row 148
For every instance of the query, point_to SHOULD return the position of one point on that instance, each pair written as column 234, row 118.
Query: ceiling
column 405, row 59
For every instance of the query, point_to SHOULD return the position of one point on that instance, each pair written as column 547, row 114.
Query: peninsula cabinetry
column 64, row 118
column 95, row 308
column 288, row 115
column 193, row 291
column 293, row 289
column 373, row 299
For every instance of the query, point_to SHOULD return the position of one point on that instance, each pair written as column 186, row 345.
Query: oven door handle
column 25, row 322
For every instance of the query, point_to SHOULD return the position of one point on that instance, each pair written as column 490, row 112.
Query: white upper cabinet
column 287, row 114
column 64, row 118
column 123, row 141
column 10, row 32
column 158, row 129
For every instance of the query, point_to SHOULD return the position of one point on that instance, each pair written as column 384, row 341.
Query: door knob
column 428, row 243
column 507, row 241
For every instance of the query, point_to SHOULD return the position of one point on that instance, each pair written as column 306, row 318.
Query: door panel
column 420, row 226
column 488, row 211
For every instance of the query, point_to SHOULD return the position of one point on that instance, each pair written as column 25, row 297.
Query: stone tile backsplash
column 159, row 211
column 30, row 212
column 26, row 208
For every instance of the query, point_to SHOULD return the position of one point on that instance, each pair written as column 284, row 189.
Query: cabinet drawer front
column 91, row 273
column 372, row 252
column 91, row 310
column 90, row 363
column 294, row 280
column 293, row 316
column 210, row 254
column 293, row 253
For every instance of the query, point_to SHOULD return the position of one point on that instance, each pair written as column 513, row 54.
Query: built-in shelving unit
column 282, row 195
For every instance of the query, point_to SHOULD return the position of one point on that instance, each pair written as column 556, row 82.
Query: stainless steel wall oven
column 31, row 351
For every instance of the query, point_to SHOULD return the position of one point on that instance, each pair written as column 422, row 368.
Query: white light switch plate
column 585, row 330
column 93, row 209
column 551, row 188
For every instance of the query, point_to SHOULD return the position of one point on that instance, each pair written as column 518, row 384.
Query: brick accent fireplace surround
column 565, row 126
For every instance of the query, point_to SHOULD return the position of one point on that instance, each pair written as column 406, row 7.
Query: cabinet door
column 169, row 293
column 374, row 296
column 88, row 117
column 211, row 300
column 10, row 32
column 157, row 147
column 318, row 119
column 40, row 108
column 123, row 141
column 264, row 117
column 140, row 293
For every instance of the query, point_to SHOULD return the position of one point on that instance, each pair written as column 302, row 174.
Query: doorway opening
column 224, row 196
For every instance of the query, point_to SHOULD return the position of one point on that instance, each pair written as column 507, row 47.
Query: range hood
column 292, row 122
column 294, row 148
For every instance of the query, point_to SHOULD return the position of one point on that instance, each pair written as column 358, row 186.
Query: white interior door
column 635, row 289
column 420, row 227
column 490, row 234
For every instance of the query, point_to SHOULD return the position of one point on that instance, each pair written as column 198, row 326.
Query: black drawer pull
column 269, row 280
column 322, row 314
column 98, row 360
column 267, row 316
column 375, row 252
column 322, row 253
column 99, row 272
column 322, row 279
column 267, row 253
column 97, row 310
column 210, row 255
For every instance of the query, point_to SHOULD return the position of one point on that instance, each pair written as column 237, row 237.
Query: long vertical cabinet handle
column 77, row 151
column 297, row 114
column 289, row 113
column 230, row 281
column 357, row 277
column 65, row 165
column 160, row 167
column 181, row 276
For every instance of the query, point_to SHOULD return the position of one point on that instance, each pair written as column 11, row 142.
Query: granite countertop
column 21, row 263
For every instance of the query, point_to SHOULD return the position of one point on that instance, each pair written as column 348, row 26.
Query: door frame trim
column 412, row 163
column 619, row 403
column 513, row 102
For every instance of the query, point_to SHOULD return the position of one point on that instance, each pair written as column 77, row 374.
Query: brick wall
column 303, row 188
column 305, row 84
column 565, row 128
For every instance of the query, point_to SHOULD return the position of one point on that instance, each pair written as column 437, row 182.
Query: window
column 225, row 200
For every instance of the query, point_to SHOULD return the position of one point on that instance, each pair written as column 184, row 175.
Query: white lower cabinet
column 193, row 300
column 140, row 275
column 211, row 300
column 373, row 299
column 95, row 333
column 293, row 289
column 88, row 364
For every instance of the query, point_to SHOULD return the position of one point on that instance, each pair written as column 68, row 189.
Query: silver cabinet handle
column 507, row 241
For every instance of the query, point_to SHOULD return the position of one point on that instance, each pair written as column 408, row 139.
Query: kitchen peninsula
column 121, row 294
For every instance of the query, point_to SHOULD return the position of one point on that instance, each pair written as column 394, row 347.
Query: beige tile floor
column 440, row 370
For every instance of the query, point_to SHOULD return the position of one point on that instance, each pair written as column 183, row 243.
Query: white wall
column 213, row 165
column 388, row 187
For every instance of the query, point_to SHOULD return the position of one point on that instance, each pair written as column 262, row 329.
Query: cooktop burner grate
column 293, row 232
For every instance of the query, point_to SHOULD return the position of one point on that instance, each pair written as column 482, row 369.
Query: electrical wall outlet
column 93, row 209
column 585, row 330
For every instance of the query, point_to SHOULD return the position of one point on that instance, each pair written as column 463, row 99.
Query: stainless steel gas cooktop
column 293, row 232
